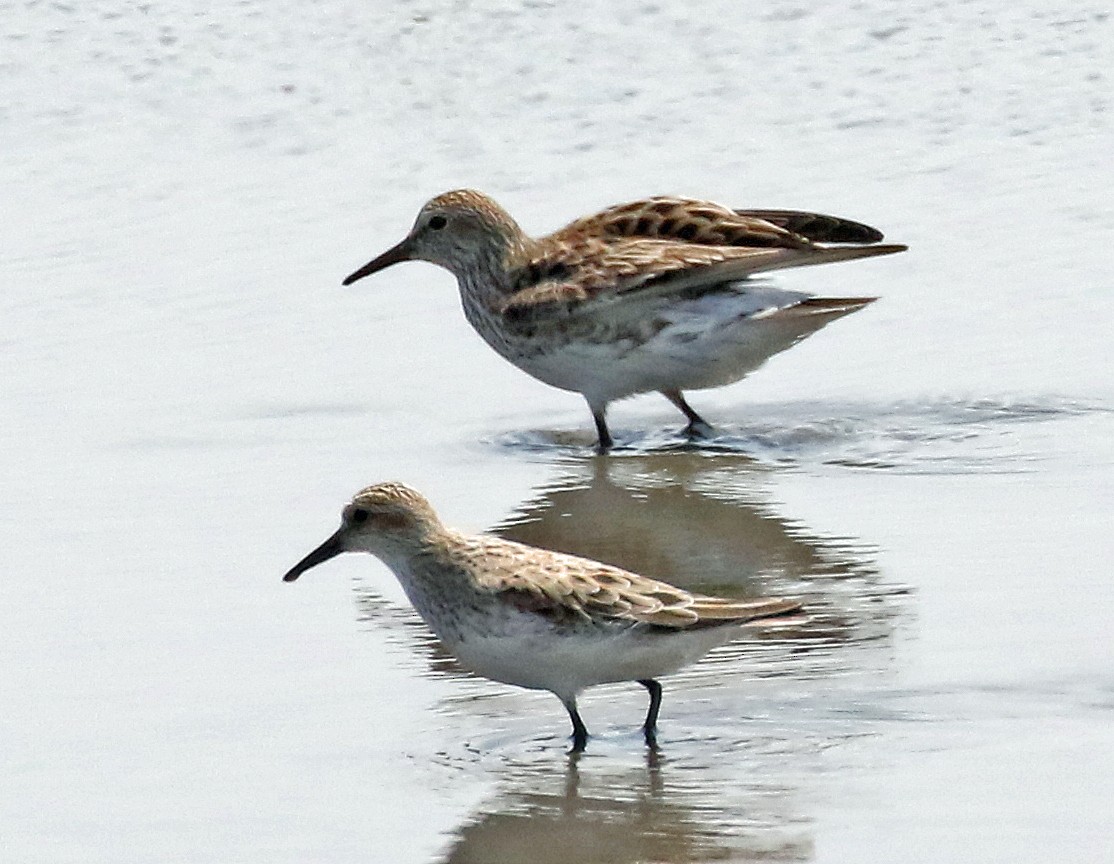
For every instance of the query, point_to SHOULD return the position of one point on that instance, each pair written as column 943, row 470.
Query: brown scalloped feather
column 684, row 220
column 598, row 269
column 566, row 587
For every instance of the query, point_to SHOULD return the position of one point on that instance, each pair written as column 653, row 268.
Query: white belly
column 565, row 664
column 664, row 343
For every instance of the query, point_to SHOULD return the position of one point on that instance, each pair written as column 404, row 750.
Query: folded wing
column 568, row 279
column 689, row 220
column 571, row 588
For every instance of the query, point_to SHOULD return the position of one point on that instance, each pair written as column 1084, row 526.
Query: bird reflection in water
column 627, row 813
column 706, row 523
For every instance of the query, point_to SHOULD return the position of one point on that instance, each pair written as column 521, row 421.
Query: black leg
column 650, row 727
column 579, row 730
column 605, row 442
column 697, row 424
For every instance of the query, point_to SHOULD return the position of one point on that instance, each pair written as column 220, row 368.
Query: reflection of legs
column 650, row 727
column 579, row 730
column 697, row 425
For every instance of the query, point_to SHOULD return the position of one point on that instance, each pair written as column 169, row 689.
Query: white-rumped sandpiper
column 537, row 618
column 647, row 296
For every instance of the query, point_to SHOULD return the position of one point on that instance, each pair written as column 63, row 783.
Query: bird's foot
column 699, row 430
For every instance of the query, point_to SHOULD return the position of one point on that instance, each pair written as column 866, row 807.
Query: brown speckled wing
column 592, row 268
column 565, row 587
column 684, row 220
column 673, row 244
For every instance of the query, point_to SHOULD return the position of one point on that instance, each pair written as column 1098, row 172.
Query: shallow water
column 189, row 397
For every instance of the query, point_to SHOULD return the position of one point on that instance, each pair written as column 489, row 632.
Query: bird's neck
column 488, row 274
column 485, row 285
column 436, row 582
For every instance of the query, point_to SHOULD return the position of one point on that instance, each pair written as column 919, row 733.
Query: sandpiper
column 533, row 617
column 645, row 296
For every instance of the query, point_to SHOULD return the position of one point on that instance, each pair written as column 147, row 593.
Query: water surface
column 189, row 397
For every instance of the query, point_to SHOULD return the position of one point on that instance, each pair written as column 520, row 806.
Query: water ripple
column 939, row 436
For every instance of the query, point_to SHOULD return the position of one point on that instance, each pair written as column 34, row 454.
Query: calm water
column 189, row 397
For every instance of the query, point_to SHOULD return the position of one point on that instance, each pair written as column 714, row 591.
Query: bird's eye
column 436, row 223
column 359, row 515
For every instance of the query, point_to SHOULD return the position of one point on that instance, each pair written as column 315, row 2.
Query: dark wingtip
column 819, row 227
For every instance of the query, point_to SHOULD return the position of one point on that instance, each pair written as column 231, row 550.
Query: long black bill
column 329, row 549
column 401, row 252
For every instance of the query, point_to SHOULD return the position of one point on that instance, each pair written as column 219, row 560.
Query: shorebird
column 536, row 618
column 646, row 296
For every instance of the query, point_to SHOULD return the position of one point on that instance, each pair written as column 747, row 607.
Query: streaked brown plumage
column 649, row 295
column 567, row 587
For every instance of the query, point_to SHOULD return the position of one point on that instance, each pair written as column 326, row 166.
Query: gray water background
column 188, row 397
